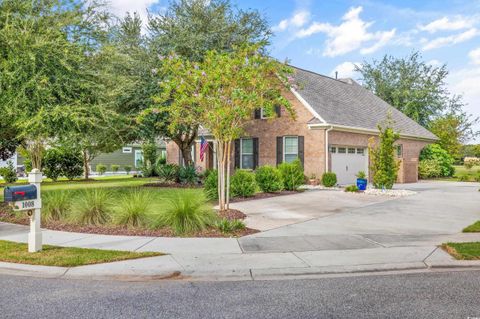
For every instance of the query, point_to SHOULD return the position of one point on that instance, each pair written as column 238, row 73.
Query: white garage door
column 347, row 162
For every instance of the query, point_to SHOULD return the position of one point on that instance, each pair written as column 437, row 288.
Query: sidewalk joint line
column 428, row 256
column 303, row 261
column 372, row 241
column 148, row 242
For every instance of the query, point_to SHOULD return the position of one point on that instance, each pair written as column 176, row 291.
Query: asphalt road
column 423, row 295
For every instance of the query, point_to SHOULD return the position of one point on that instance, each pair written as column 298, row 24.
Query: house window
column 333, row 149
column 360, row 151
column 290, row 148
column 399, row 150
column 246, row 153
column 263, row 115
column 138, row 158
column 351, row 151
column 127, row 150
column 342, row 150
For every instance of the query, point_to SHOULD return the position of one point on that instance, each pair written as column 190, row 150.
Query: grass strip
column 463, row 251
column 64, row 256
column 475, row 228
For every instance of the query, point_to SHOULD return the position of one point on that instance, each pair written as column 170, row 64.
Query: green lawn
column 64, row 256
column 463, row 251
column 475, row 228
column 98, row 182
column 460, row 170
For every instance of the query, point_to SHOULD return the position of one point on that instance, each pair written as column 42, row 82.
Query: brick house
column 334, row 121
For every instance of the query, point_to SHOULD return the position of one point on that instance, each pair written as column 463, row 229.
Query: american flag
column 203, row 147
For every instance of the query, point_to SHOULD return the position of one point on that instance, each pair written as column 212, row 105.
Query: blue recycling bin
column 362, row 184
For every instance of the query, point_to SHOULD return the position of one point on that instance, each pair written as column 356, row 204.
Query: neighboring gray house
column 131, row 155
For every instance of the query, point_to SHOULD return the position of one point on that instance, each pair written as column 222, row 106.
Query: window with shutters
column 246, row 153
column 290, row 148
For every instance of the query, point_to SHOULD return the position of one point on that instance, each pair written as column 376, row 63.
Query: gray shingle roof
column 346, row 103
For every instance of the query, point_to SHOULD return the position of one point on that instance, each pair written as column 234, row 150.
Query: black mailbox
column 19, row 193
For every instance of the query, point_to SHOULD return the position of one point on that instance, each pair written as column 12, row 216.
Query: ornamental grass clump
column 187, row 212
column 229, row 226
column 92, row 207
column 56, row 205
column 134, row 208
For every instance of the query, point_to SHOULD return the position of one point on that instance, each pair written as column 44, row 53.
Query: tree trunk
column 227, row 186
column 86, row 170
column 187, row 154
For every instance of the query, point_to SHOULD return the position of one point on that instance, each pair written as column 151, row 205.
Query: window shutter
column 237, row 153
column 301, row 148
column 257, row 114
column 279, row 150
column 278, row 110
column 255, row 152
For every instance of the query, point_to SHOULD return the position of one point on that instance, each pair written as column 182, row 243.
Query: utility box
column 19, row 193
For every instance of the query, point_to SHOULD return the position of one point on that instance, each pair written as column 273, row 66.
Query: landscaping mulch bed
column 231, row 214
column 172, row 185
column 263, row 196
column 126, row 231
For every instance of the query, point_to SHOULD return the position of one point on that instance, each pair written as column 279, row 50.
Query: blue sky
column 330, row 35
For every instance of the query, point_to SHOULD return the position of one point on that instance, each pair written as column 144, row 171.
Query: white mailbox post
column 35, row 234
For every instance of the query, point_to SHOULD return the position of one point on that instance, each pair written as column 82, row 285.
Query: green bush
column 351, row 188
column 361, row 175
column 8, row 173
column 134, row 208
column 148, row 170
column 242, row 184
column 188, row 175
column 464, row 178
column 269, row 179
column 101, row 169
column 149, row 150
column 52, row 163
column 128, row 169
column 229, row 226
column 72, row 163
column 92, row 207
column 383, row 163
column 62, row 161
column 292, row 175
column 210, row 186
column 436, row 153
column 329, row 179
column 56, row 205
column 429, row 168
column 168, row 172
column 114, row 168
column 187, row 212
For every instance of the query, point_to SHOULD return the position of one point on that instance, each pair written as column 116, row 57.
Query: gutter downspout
column 327, row 154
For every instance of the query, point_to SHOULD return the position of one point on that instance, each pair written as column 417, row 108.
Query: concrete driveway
column 338, row 221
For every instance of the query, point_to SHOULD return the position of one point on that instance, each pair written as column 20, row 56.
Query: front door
column 347, row 162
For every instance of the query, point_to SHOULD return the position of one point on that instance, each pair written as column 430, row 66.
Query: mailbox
column 19, row 193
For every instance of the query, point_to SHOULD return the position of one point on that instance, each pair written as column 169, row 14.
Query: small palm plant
column 187, row 212
column 56, row 205
column 93, row 207
column 134, row 208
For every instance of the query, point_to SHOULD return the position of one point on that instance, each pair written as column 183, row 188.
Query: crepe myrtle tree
column 221, row 93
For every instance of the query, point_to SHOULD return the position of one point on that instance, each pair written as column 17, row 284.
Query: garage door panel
column 347, row 165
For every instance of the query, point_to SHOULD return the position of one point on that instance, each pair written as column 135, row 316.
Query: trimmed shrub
column 187, row 212
column 292, row 175
column 351, row 189
column 8, row 173
column 435, row 152
column 242, row 184
column 211, row 185
column 56, row 205
column 134, row 209
column 101, row 169
column 429, row 168
column 188, row 175
column 66, row 162
column 229, row 226
column 92, row 207
column 168, row 172
column 52, row 163
column 114, row 168
column 329, row 179
column 128, row 169
column 269, row 179
column 148, row 171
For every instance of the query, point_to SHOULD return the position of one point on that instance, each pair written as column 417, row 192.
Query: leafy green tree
column 383, row 164
column 44, row 74
column 437, row 154
column 9, row 137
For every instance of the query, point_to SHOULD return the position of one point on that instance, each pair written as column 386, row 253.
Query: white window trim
column 127, row 150
column 241, row 151
column 284, row 153
column 262, row 115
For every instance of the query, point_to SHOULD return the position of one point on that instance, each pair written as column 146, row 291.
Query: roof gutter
column 354, row 129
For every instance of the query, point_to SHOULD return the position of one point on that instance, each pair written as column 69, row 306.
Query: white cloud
column 352, row 34
column 434, row 63
column 474, row 56
column 450, row 40
column 445, row 24
column 345, row 70
column 121, row 7
column 299, row 19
